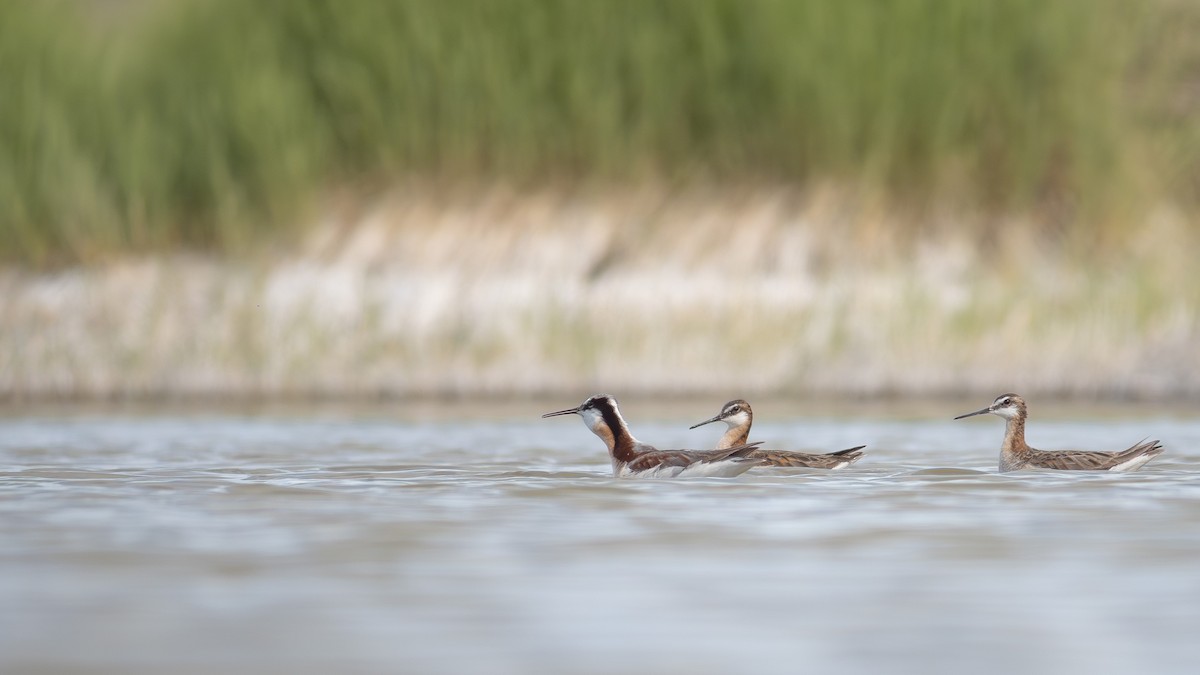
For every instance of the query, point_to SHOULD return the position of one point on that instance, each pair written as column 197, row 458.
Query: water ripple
column 178, row 541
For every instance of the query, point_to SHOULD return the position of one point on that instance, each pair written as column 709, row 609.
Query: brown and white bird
column 739, row 416
column 633, row 459
column 1015, row 453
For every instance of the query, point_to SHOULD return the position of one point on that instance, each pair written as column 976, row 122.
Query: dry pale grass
column 730, row 291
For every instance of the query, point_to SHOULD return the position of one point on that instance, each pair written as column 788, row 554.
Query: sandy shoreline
column 760, row 292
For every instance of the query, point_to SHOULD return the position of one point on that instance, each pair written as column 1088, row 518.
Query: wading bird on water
column 633, row 459
column 1015, row 453
column 739, row 416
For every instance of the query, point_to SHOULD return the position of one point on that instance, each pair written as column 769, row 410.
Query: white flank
column 1132, row 464
column 656, row 472
column 723, row 469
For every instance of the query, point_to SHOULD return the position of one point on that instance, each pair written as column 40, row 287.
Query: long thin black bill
column 707, row 421
column 572, row 411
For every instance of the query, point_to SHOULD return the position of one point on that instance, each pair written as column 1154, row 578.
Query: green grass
column 215, row 124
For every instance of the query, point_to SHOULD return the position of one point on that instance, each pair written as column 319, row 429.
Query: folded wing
column 657, row 459
column 1077, row 460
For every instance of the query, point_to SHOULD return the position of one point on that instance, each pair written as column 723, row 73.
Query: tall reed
column 211, row 124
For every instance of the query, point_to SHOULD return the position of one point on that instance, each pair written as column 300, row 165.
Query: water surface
column 449, row 539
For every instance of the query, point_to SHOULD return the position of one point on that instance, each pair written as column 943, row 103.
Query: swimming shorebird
column 633, row 459
column 739, row 416
column 1015, row 454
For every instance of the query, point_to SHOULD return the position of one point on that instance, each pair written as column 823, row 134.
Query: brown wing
column 684, row 458
column 1079, row 460
column 807, row 459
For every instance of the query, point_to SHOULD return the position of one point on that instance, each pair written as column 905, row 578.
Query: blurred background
column 313, row 198
column 285, row 286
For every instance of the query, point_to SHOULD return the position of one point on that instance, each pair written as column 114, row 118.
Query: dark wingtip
column 1147, row 447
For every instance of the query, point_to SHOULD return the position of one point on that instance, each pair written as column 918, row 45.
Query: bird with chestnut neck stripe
column 632, row 458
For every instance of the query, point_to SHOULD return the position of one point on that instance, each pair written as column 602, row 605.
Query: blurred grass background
column 130, row 126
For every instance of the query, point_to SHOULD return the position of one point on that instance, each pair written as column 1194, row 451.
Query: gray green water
column 483, row 539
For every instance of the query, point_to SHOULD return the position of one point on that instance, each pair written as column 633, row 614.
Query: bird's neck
column 621, row 444
column 734, row 436
column 1014, row 437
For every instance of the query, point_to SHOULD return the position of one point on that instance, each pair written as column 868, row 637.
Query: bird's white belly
column 698, row 470
column 657, row 472
column 722, row 468
column 1131, row 464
